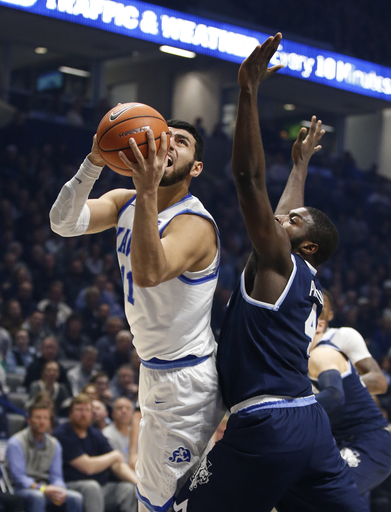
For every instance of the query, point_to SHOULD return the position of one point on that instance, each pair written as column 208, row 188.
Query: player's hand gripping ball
column 122, row 122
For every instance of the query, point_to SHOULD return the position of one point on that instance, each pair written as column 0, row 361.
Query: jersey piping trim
column 313, row 269
column 153, row 508
column 126, row 205
column 272, row 402
column 184, row 362
column 280, row 300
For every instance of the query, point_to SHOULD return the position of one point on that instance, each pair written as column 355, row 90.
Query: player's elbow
column 146, row 280
column 382, row 385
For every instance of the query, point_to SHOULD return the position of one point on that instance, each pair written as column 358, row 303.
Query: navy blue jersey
column 359, row 413
column 263, row 348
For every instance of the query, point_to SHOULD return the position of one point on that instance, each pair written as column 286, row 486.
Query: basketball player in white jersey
column 353, row 345
column 169, row 252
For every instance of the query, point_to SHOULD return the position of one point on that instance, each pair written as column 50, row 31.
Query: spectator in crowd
column 123, row 384
column 89, row 462
column 80, row 375
column 100, row 282
column 71, row 340
column 22, row 353
column 49, row 352
column 55, row 298
column 98, row 329
column 25, row 296
column 118, row 432
column 135, row 363
column 76, row 280
column 91, row 390
column 121, row 355
column 106, row 344
column 34, row 460
column 11, row 318
column 101, row 382
column 35, row 327
column 89, row 311
column 381, row 340
column 100, row 416
column 49, row 383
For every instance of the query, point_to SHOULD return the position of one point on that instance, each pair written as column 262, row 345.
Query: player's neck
column 168, row 196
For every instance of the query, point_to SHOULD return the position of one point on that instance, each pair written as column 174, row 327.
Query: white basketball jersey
column 171, row 320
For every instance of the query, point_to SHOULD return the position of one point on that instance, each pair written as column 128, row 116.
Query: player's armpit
column 189, row 243
column 105, row 209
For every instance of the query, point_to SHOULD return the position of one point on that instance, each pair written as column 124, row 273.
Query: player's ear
column 196, row 170
column 320, row 328
column 308, row 248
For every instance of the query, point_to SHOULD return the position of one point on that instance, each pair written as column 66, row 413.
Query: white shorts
column 181, row 409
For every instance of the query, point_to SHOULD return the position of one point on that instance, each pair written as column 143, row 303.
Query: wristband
column 41, row 487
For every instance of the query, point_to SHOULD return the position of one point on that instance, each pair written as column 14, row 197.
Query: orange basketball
column 122, row 122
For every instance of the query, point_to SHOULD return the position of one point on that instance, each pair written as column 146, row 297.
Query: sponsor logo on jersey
column 351, row 457
column 180, row 455
column 202, row 474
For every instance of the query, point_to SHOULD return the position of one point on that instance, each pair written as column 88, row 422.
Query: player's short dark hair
column 323, row 233
column 199, row 142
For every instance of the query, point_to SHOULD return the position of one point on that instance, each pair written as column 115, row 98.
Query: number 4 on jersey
column 310, row 327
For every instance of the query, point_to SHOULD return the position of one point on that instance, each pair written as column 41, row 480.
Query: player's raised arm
column 248, row 159
column 302, row 151
column 73, row 215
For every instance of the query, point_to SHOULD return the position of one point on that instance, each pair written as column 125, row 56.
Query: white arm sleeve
column 351, row 343
column 70, row 216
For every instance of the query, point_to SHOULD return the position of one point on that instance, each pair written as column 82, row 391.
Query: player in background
column 277, row 437
column 357, row 424
column 351, row 343
column 169, row 252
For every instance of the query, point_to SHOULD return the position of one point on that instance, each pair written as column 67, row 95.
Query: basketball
column 122, row 122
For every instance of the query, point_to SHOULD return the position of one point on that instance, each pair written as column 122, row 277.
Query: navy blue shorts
column 369, row 458
column 266, row 453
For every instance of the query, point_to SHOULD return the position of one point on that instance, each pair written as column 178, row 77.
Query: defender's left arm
column 302, row 151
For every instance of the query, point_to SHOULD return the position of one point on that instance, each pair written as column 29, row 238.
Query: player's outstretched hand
column 306, row 145
column 254, row 69
column 147, row 172
column 94, row 157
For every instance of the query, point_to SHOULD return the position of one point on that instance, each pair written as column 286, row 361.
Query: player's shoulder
column 120, row 196
column 348, row 334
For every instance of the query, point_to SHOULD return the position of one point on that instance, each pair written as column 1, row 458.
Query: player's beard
column 177, row 176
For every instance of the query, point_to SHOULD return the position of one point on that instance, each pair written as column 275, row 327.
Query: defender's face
column 180, row 157
column 296, row 223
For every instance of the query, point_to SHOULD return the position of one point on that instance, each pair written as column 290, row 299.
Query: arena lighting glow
column 227, row 42
column 41, row 50
column 74, row 71
column 177, row 51
column 289, row 106
column 326, row 127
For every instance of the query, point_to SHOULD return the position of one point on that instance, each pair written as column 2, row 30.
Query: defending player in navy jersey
column 356, row 422
column 278, row 437
column 352, row 344
column 169, row 254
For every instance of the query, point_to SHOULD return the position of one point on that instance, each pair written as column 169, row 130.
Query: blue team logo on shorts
column 180, row 455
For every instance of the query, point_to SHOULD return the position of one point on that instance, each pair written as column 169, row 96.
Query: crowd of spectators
column 62, row 323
